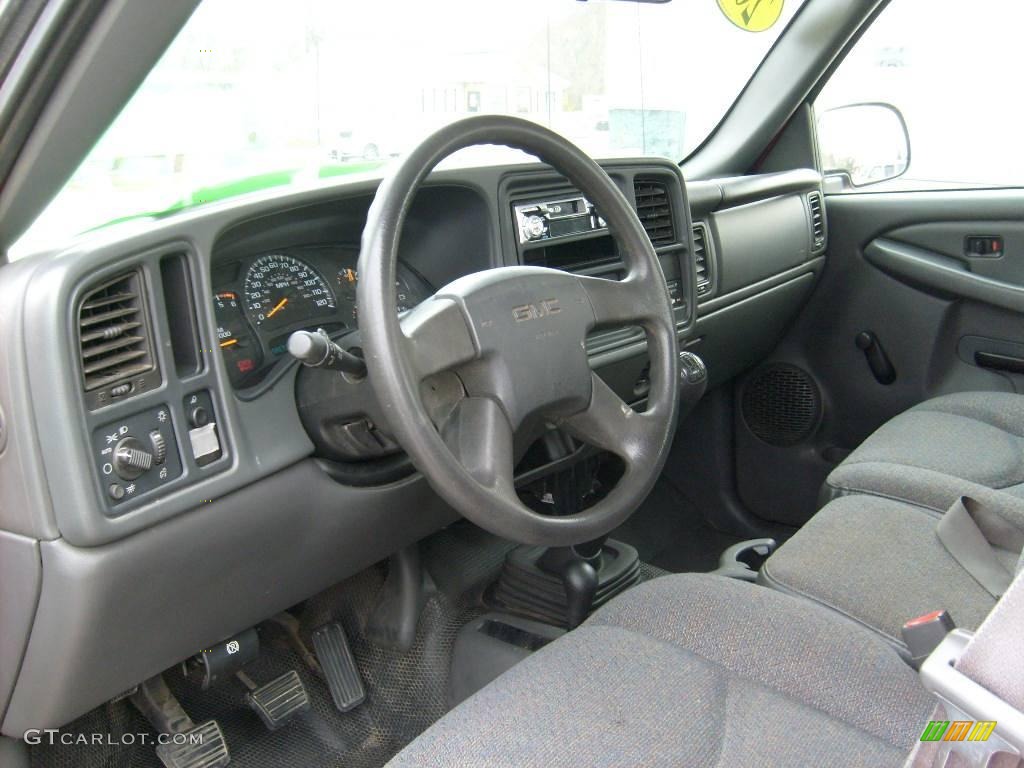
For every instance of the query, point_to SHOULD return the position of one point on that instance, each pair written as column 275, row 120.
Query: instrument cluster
column 260, row 301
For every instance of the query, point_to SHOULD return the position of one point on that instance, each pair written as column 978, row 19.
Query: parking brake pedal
column 193, row 746
column 278, row 701
column 339, row 666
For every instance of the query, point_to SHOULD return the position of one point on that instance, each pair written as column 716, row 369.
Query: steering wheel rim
column 494, row 329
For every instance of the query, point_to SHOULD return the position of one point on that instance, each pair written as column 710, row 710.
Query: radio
column 552, row 219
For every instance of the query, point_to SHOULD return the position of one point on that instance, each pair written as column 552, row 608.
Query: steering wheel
column 492, row 359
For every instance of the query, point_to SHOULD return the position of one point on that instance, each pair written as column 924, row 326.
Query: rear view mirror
column 863, row 143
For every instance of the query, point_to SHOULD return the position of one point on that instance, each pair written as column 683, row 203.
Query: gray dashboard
column 219, row 542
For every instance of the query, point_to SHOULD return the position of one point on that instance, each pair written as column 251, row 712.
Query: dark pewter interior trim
column 18, row 599
column 199, row 578
column 941, row 274
column 713, row 195
column 94, row 605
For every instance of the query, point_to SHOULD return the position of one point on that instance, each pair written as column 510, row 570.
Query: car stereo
column 552, row 219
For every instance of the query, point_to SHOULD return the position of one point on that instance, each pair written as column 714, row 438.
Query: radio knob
column 533, row 227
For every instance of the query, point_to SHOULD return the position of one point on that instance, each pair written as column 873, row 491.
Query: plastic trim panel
column 111, row 616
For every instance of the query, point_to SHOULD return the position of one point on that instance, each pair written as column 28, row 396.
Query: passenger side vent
column 113, row 336
column 817, row 220
column 654, row 210
column 701, row 259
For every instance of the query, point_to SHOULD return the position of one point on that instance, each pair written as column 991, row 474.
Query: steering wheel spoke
column 480, row 437
column 610, row 423
column 437, row 337
column 618, row 302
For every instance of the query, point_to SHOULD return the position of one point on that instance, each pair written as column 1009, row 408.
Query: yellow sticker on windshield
column 752, row 15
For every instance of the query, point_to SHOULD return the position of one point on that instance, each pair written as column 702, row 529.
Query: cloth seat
column 969, row 443
column 693, row 670
column 881, row 563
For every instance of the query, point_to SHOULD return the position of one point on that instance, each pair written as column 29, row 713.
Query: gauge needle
column 229, row 343
column 278, row 308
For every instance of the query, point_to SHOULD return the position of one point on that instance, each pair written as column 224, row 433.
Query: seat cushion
column 692, row 670
column 881, row 563
column 966, row 443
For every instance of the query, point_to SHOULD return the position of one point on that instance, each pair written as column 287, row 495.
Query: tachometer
column 409, row 289
column 282, row 290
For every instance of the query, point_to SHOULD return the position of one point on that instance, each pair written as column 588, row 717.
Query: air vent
column 655, row 211
column 817, row 220
column 701, row 259
column 114, row 339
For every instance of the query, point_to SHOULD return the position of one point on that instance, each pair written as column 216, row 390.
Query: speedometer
column 282, row 290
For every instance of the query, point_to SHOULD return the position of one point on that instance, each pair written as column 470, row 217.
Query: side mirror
column 863, row 144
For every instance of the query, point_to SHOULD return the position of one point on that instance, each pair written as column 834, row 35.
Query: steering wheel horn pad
column 514, row 336
column 528, row 324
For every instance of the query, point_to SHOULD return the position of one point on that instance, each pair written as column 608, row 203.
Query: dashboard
column 177, row 477
column 261, row 300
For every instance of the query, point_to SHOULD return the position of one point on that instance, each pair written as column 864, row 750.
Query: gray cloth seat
column 873, row 553
column 693, row 670
column 970, row 443
column 881, row 563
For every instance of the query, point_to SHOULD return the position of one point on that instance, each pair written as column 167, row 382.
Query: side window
column 927, row 99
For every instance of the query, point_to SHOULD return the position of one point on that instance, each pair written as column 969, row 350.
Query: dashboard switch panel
column 204, row 439
column 136, row 455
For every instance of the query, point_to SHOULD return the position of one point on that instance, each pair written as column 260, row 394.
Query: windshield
column 253, row 95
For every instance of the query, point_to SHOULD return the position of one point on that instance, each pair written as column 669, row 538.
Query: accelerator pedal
column 339, row 666
column 278, row 701
column 200, row 747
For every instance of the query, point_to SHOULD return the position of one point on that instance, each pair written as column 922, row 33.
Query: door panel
column 899, row 269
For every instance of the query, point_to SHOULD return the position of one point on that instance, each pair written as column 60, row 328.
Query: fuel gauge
column 242, row 353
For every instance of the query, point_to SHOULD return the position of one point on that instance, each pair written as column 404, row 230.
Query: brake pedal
column 278, row 701
column 201, row 747
column 339, row 666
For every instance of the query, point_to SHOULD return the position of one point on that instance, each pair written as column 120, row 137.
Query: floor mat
column 670, row 532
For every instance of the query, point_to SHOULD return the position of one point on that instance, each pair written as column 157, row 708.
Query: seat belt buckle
column 923, row 634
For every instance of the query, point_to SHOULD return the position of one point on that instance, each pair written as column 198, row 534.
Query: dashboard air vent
column 700, row 258
column 817, row 219
column 655, row 211
column 113, row 333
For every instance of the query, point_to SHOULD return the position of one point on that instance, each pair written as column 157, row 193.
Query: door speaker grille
column 781, row 404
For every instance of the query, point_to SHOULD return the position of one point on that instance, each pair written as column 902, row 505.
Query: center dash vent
column 701, row 258
column 817, row 219
column 114, row 338
column 654, row 210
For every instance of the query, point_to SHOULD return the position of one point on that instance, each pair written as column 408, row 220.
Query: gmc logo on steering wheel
column 542, row 308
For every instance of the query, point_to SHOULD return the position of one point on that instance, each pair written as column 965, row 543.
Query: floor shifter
column 563, row 585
